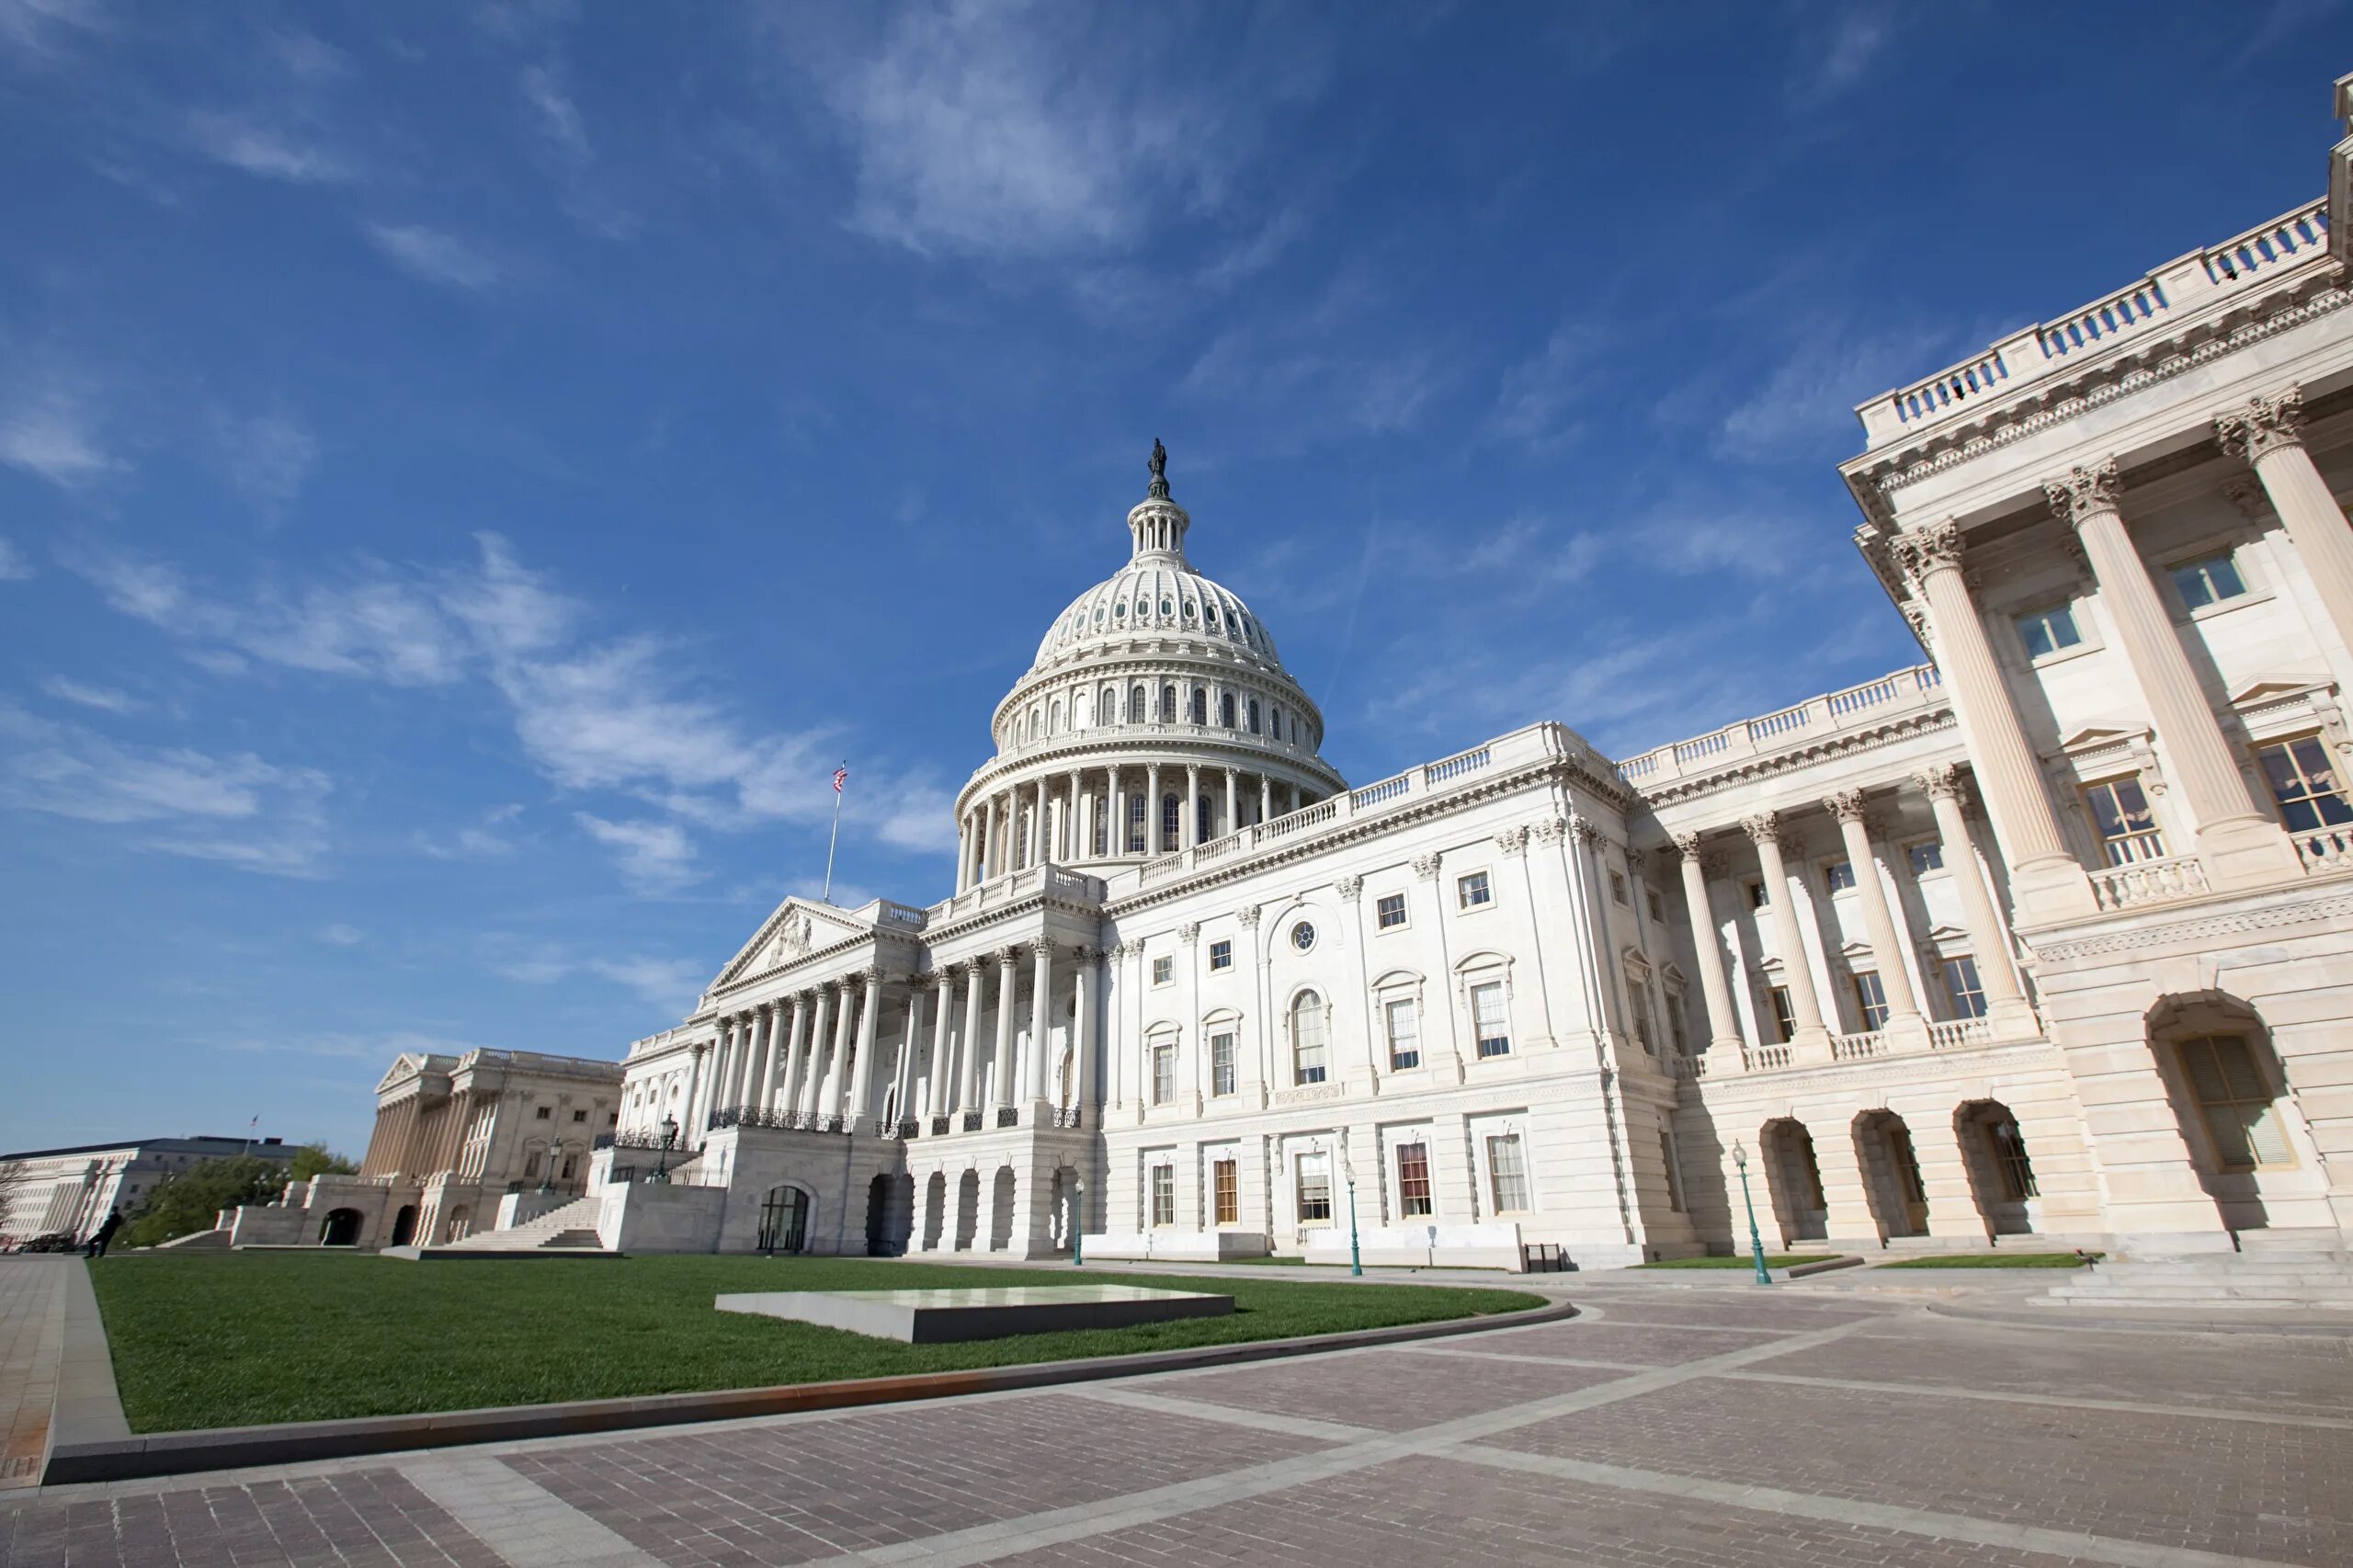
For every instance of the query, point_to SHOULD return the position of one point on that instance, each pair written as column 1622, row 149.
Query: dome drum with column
column 1153, row 687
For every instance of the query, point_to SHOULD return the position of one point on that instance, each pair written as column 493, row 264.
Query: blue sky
column 467, row 475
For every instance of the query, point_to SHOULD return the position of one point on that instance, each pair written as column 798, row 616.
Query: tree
column 317, row 1159
column 192, row 1200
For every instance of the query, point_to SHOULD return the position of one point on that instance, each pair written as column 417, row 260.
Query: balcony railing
column 2148, row 882
column 1874, row 702
column 1952, row 1034
column 2330, row 849
column 1857, row 1047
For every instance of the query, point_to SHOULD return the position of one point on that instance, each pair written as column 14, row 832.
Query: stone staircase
column 2270, row 1274
column 572, row 1228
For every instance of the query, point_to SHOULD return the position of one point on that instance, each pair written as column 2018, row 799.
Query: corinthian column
column 1904, row 1025
column 2048, row 881
column 968, row 1091
column 1707, row 944
column 861, row 1063
column 1810, row 1037
column 2006, row 1004
column 1001, row 1069
column 2269, row 434
column 1041, row 999
column 2237, row 841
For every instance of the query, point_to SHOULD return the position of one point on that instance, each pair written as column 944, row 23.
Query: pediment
column 2267, row 690
column 799, row 926
column 2102, row 736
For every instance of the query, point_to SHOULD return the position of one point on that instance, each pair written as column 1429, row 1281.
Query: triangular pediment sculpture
column 799, row 926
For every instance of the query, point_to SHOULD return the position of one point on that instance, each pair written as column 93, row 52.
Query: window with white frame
column 1490, row 1021
column 1618, row 887
column 2236, row 1102
column 1472, row 891
column 2120, row 816
column 1164, row 1072
column 1137, row 811
column 1678, row 1028
column 1222, row 1062
column 2046, row 632
column 1507, row 1174
column 1314, row 1187
column 1838, row 876
column 1870, row 999
column 1225, row 1190
column 1404, row 1034
column 1389, row 911
column 1962, row 986
column 2304, row 784
column 1172, row 821
column 1309, row 1048
column 1927, row 856
column 1221, row 955
column 1163, row 969
column 1658, row 909
column 2208, row 580
column 1164, row 1196
column 1785, row 1022
column 1639, row 995
column 1414, row 1181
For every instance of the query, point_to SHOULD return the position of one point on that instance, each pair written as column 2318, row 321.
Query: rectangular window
column 1677, row 1028
column 1390, row 912
column 1222, row 1063
column 1962, row 984
column 1470, row 892
column 2010, row 1159
column 1839, row 875
column 1404, row 1035
column 1926, row 858
column 1164, row 1074
column 1414, row 1181
column 1163, row 1194
column 1617, row 887
column 1871, row 997
column 1225, row 1188
column 2206, row 582
column 2127, row 828
column 1674, row 1174
column 542, row 1113
column 1315, row 1189
column 1135, row 825
column 579, row 1116
column 1757, row 897
column 1785, row 1022
column 1507, row 1174
column 2048, row 630
column 1639, row 995
column 2237, row 1107
column 1163, row 970
column 1658, row 910
column 1487, row 1020
column 1221, row 955
column 2304, row 784
column 1172, row 821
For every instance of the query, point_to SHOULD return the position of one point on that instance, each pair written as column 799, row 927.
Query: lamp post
column 1078, row 1222
column 662, row 1161
column 1348, row 1175
column 1755, row 1241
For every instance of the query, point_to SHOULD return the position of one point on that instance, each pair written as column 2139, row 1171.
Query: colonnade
column 1122, row 812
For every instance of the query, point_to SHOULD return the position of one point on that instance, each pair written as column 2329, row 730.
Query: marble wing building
column 2046, row 938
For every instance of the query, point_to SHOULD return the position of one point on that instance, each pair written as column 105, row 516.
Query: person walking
column 96, row 1246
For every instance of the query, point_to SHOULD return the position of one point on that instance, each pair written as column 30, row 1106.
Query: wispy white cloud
column 268, row 458
column 377, row 1049
column 51, row 432
column 41, row 30
column 305, row 56
column 655, row 857
column 106, row 699
column 257, row 144
column 553, row 113
column 340, row 935
column 1809, row 397
column 1309, row 392
column 14, row 567
column 490, row 838
column 437, row 256
column 669, row 984
column 1541, row 397
column 1836, row 55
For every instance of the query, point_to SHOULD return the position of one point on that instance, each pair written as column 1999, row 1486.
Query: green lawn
column 1772, row 1260
column 253, row 1337
column 1992, row 1260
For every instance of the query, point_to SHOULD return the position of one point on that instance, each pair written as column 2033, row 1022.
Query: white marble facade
column 2048, row 938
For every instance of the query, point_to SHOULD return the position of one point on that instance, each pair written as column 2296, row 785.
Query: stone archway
column 459, row 1225
column 341, row 1228
column 1892, row 1184
column 968, row 1210
column 2001, row 1173
column 1793, row 1177
column 877, row 1217
column 784, row 1220
column 1001, row 1199
column 934, row 1211
column 405, row 1225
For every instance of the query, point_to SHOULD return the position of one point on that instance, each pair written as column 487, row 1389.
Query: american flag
column 841, row 776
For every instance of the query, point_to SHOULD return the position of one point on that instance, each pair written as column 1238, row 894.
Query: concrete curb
column 1804, row 1270
column 87, row 1453
column 86, row 1408
column 2057, row 1316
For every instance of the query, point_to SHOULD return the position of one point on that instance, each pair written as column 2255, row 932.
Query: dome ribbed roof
column 1155, row 598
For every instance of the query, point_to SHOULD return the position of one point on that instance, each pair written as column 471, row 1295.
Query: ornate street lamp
column 1755, row 1241
column 662, row 1161
column 1348, row 1175
column 1077, row 1221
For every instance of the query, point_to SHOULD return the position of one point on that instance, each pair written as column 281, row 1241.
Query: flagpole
column 835, row 837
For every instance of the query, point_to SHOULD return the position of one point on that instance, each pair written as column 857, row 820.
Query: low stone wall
column 1178, row 1246
column 1494, row 1245
column 660, row 1217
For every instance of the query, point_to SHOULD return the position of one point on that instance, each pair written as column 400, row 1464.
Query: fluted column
column 1905, row 1024
column 812, row 1076
column 2048, row 881
column 1115, row 841
column 903, row 1080
column 690, row 1135
column 2269, row 433
column 937, row 1084
column 1086, row 984
column 1041, row 1005
column 1811, row 1038
column 1152, row 845
column 1001, row 1069
column 1072, row 848
column 2005, row 1003
column 1723, row 1022
column 2238, row 843
column 968, row 1094
column 783, row 1026
column 1229, row 823
column 1037, row 840
column 1189, row 821
column 861, row 1061
column 985, row 851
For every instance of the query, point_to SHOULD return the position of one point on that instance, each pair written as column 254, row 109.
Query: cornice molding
column 1750, row 770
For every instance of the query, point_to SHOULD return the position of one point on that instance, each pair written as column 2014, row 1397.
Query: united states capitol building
column 2044, row 940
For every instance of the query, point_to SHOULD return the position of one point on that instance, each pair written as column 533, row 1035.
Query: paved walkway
column 32, row 1343
column 1715, row 1425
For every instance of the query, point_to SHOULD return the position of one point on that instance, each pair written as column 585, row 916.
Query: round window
column 1302, row 936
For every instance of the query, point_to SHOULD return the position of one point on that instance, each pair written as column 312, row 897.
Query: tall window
column 1169, row 703
column 1785, row 1022
column 1639, row 995
column 1171, row 822
column 2304, row 784
column 1757, row 897
column 1404, row 1035
column 1472, row 891
column 1135, row 825
column 1102, row 832
column 2048, row 630
column 1870, row 996
column 1507, row 1174
column 2203, row 582
column 1962, row 983
column 1222, row 1063
column 2009, row 1158
column 1164, row 1074
column 1163, row 1194
column 1226, row 1191
column 1136, row 715
column 1225, row 709
column 1414, row 1181
column 1676, row 1027
column 2127, row 828
column 1315, row 1189
column 1204, row 818
column 1307, row 1041
column 1254, row 715
column 1839, row 875
column 1488, row 1019
column 1201, row 705
column 1390, row 911
column 1618, row 887
column 2236, row 1104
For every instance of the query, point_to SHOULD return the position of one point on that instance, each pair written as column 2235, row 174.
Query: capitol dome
column 1153, row 689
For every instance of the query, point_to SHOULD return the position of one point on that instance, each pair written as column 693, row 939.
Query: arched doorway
column 1001, row 1211
column 2229, row 1097
column 459, row 1225
column 405, row 1225
column 878, row 1217
column 2001, row 1175
column 784, row 1220
column 1058, row 1209
column 1892, row 1184
column 341, row 1228
column 934, row 1211
column 968, row 1210
column 1793, row 1176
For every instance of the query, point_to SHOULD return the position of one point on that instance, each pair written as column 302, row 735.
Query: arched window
column 1279, row 721
column 1308, row 1050
column 1201, row 705
column 1054, row 720
column 1204, row 818
column 1107, row 706
column 1169, row 703
column 1135, row 825
column 1135, row 703
column 1171, row 822
column 1225, row 709
column 1254, row 715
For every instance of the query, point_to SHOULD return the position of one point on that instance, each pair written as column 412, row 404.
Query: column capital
column 1847, row 805
column 1350, row 888
column 1426, row 866
column 1551, row 831
column 1938, row 781
column 1764, row 828
column 2264, row 425
column 1688, row 845
column 1189, row 932
column 924, row 980
column 1248, row 915
column 1008, row 955
column 1928, row 548
column 2088, row 490
column 1513, row 841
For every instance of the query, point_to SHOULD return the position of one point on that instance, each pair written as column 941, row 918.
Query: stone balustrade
column 2148, row 882
column 1917, row 688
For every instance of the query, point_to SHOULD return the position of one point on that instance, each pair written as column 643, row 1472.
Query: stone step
column 573, row 1238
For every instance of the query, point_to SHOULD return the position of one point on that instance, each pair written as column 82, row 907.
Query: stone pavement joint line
column 32, row 1343
column 1294, row 1426
column 2063, row 1402
column 522, row 1522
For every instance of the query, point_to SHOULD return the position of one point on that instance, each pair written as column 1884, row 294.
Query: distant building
column 43, row 1191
